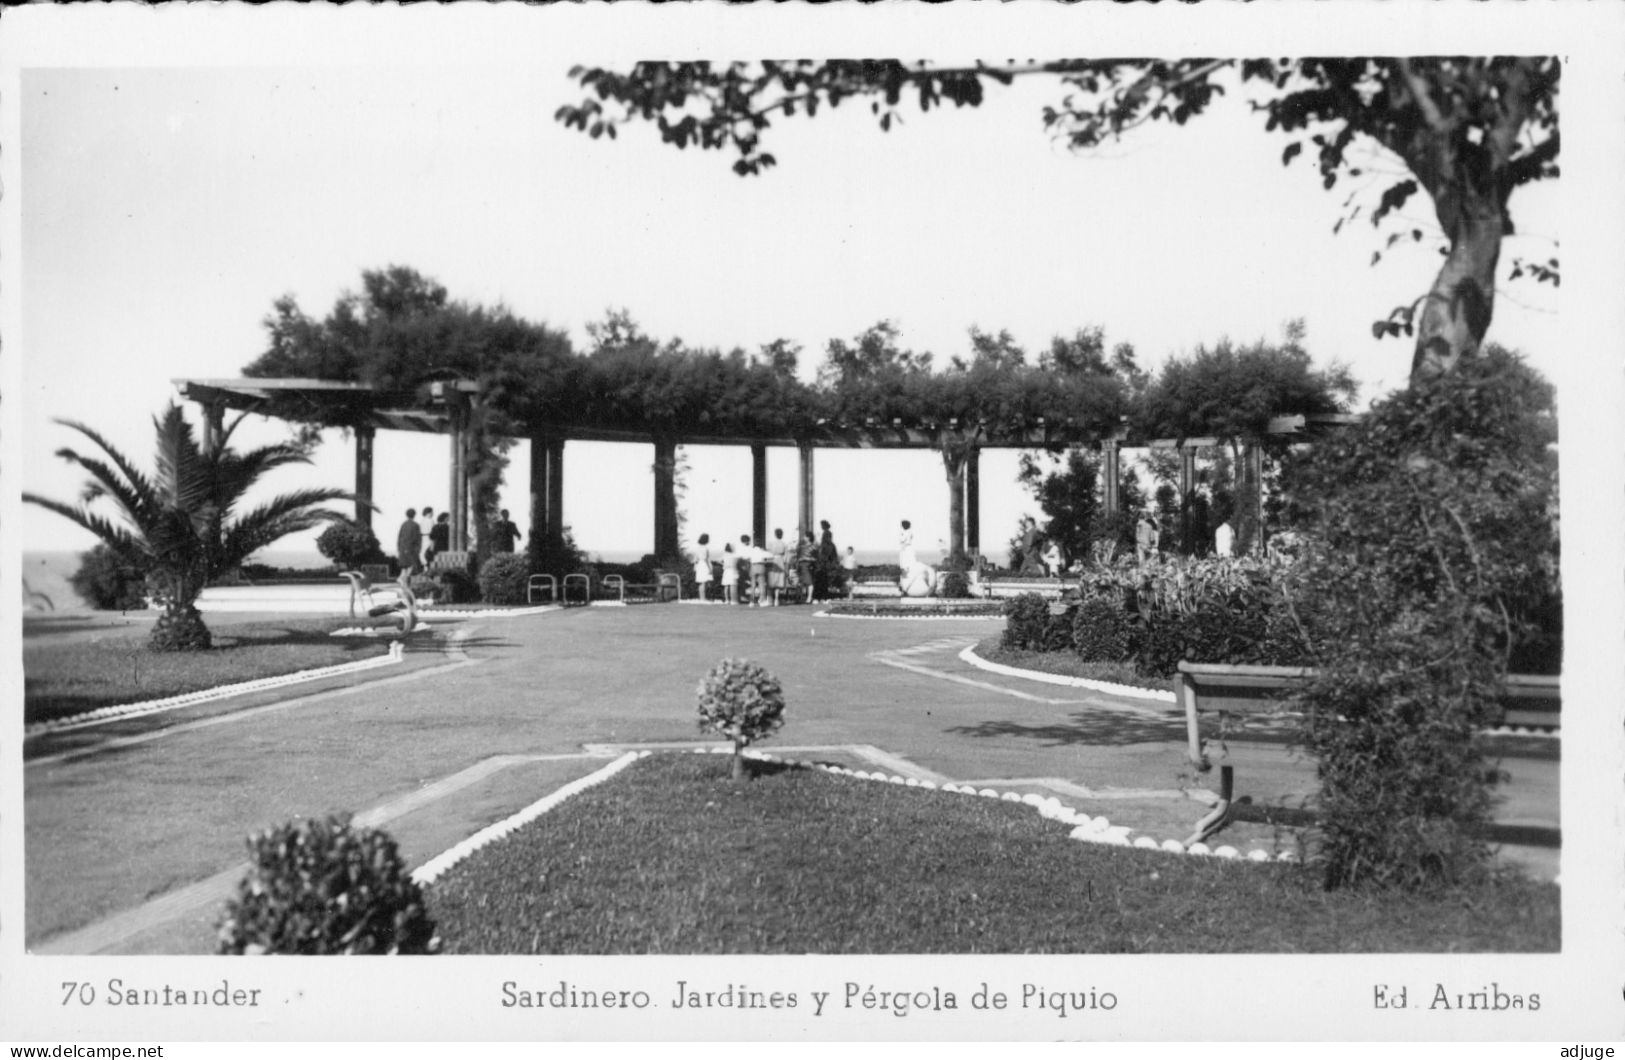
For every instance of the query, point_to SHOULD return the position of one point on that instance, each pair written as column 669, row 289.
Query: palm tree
column 179, row 525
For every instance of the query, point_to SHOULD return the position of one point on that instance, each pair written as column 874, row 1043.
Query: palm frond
column 290, row 513
column 138, row 506
column 183, row 479
column 126, row 545
column 137, row 480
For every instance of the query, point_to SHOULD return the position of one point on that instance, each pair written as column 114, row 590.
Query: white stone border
column 1085, row 828
column 437, row 866
column 444, row 611
column 910, row 618
column 207, row 695
column 1130, row 691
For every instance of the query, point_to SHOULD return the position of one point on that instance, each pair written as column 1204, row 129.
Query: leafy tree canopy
column 1469, row 132
column 1232, row 392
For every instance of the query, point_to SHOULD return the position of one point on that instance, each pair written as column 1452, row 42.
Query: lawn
column 672, row 857
column 1067, row 664
column 68, row 675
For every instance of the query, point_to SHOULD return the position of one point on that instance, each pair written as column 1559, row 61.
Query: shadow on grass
column 1112, row 729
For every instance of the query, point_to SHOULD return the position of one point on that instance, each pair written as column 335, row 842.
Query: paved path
column 134, row 846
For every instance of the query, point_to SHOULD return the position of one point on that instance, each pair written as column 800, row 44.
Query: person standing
column 504, row 534
column 439, row 537
column 827, row 566
column 730, row 574
column 426, row 532
column 756, row 558
column 1052, row 558
column 702, row 567
column 849, row 569
column 806, row 565
column 778, row 565
column 409, row 544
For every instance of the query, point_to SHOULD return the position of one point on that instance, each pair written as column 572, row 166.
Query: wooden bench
column 1528, row 701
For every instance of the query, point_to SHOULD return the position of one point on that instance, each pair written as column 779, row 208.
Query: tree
column 1469, row 132
column 180, row 524
column 1231, row 393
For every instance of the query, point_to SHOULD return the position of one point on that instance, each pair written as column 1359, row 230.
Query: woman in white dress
column 905, row 548
column 730, row 574
column 702, row 567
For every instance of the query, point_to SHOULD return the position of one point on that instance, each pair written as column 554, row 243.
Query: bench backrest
column 1528, row 699
column 458, row 561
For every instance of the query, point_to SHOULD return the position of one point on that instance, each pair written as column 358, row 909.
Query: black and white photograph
column 763, row 523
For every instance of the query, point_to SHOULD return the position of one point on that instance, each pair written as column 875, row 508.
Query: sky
column 167, row 203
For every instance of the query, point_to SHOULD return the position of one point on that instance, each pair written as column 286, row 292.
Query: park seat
column 1528, row 701
column 461, row 562
column 542, row 583
column 656, row 590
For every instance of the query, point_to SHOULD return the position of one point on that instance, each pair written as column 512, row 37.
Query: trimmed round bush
column 504, row 578
column 1025, row 618
column 1100, row 632
column 349, row 544
column 325, row 887
column 741, row 701
column 953, row 585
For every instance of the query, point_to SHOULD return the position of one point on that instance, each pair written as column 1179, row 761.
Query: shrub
column 556, row 554
column 323, row 887
column 504, row 578
column 349, row 544
column 426, row 589
column 1099, row 632
column 953, row 585
column 456, row 587
column 1025, row 617
column 1434, row 546
column 741, row 701
column 108, row 583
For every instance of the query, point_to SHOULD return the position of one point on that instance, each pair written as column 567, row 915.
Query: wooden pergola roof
column 336, row 404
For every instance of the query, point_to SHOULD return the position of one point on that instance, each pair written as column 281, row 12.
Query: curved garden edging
column 155, row 706
column 969, row 655
column 910, row 618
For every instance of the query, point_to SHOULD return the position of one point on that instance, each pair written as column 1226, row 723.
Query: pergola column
column 214, row 424
column 805, row 498
column 665, row 469
column 1187, row 482
column 1111, row 473
column 973, row 502
column 457, row 415
column 1255, row 472
column 364, row 438
column 555, row 489
column 758, row 492
column 538, row 491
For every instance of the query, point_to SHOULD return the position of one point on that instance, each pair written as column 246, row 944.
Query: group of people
column 417, row 544
column 760, row 576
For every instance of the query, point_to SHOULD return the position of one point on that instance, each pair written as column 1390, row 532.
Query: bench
column 540, row 582
column 658, row 588
column 462, row 562
column 1528, row 701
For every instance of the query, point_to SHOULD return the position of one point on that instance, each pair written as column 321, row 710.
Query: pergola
column 443, row 407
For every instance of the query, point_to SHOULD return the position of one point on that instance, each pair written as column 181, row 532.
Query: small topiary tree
column 1025, row 617
column 323, row 887
column 743, row 702
column 349, row 544
column 504, row 578
column 108, row 583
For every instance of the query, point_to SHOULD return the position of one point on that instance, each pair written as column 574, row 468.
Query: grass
column 1067, row 664
column 672, row 857
column 68, row 676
